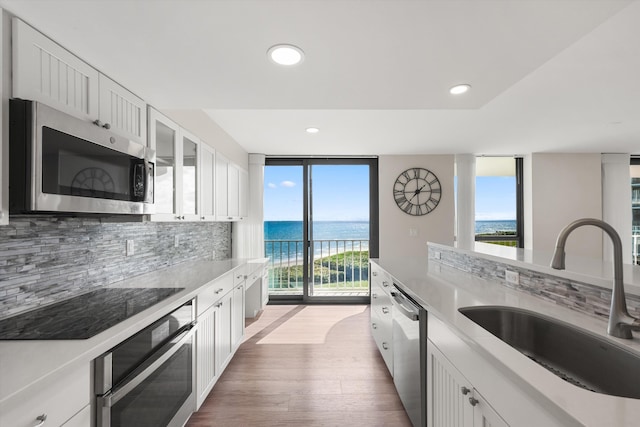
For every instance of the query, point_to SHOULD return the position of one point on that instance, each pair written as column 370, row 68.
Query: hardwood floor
column 305, row 366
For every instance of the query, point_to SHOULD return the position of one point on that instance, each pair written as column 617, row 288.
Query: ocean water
column 286, row 233
column 490, row 227
column 330, row 237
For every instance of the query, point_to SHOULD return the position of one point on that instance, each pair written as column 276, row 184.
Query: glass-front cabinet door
column 163, row 137
column 207, row 183
column 189, row 196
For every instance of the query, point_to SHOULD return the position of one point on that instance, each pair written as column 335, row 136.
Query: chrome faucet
column 621, row 323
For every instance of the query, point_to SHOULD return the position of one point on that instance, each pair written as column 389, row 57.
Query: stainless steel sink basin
column 573, row 354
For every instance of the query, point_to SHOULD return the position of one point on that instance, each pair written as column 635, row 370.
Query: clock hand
column 415, row 193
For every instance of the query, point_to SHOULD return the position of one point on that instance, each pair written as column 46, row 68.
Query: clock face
column 417, row 191
column 92, row 182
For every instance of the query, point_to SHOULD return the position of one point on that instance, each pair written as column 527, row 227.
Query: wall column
column 466, row 201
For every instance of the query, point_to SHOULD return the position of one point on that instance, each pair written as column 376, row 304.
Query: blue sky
column 341, row 194
column 495, row 198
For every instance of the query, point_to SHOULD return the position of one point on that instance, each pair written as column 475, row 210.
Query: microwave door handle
column 167, row 350
column 148, row 181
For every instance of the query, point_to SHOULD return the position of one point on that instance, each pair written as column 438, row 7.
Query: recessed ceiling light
column 285, row 54
column 459, row 89
column 312, row 130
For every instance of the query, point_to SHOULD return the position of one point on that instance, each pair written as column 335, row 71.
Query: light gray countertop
column 443, row 290
column 24, row 363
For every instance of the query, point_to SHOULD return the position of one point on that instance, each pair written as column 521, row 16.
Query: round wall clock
column 92, row 181
column 417, row 191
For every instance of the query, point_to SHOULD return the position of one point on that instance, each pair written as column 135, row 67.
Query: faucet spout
column 620, row 322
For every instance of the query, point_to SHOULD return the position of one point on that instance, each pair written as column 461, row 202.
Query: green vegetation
column 486, row 238
column 349, row 269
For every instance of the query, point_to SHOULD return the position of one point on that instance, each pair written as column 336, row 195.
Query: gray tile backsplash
column 45, row 259
column 583, row 297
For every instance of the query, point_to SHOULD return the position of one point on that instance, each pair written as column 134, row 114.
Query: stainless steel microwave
column 60, row 163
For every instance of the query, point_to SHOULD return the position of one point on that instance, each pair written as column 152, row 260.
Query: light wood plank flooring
column 305, row 366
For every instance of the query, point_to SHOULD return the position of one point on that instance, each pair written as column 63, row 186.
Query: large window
column 499, row 201
column 321, row 227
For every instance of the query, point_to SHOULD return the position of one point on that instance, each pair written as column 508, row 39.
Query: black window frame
column 519, row 237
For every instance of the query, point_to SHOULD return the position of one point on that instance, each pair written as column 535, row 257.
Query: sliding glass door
column 320, row 228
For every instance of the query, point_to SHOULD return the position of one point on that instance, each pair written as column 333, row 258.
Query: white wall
column 436, row 226
column 560, row 188
column 201, row 125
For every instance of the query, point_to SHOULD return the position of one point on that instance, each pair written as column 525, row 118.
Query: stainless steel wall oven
column 148, row 380
column 59, row 163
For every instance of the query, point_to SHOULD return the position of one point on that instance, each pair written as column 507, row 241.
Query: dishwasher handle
column 404, row 306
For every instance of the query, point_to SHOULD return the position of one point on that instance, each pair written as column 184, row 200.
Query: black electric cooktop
column 83, row 316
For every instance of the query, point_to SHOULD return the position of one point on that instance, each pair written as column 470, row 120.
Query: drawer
column 59, row 397
column 213, row 292
column 256, row 275
column 81, row 419
column 381, row 302
column 382, row 335
column 238, row 276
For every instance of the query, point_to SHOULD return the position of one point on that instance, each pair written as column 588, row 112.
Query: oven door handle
column 161, row 356
column 400, row 300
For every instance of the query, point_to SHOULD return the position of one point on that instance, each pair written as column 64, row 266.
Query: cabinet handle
column 239, row 287
column 219, row 290
column 374, row 295
column 385, row 346
column 374, row 273
column 202, row 218
column 218, row 305
column 473, row 401
column 374, row 326
column 465, row 390
column 385, row 284
column 41, row 418
column 385, row 310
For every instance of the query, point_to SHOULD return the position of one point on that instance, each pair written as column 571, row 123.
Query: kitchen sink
column 573, row 354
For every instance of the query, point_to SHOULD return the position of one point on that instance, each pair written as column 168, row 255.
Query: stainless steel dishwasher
column 409, row 355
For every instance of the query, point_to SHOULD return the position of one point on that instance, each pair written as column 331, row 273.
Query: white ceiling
column 547, row 75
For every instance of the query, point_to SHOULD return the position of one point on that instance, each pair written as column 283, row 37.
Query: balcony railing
column 340, row 267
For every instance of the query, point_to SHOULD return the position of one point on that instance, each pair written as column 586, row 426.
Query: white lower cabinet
column 381, row 314
column 206, row 369
column 466, row 389
column 223, row 339
column 59, row 398
column 237, row 316
column 452, row 401
column 220, row 308
column 81, row 419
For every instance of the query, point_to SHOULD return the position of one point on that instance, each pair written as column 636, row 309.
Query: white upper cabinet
column 222, row 190
column 46, row 72
column 163, row 137
column 233, row 196
column 124, row 112
column 178, row 182
column 189, row 197
column 5, row 89
column 243, row 194
column 207, row 183
column 231, row 190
